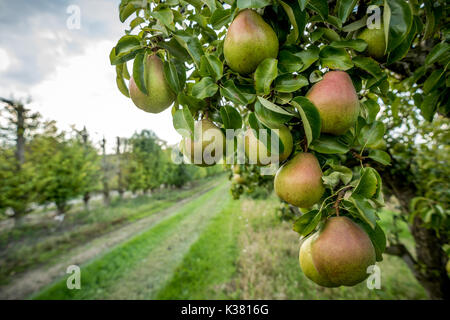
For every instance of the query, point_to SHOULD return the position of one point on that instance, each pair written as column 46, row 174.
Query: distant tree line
column 41, row 164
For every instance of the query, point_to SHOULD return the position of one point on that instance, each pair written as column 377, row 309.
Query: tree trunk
column 86, row 198
column 106, row 199
column 431, row 261
column 429, row 266
column 120, row 188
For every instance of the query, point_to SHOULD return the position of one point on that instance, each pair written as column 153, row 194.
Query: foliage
column 315, row 36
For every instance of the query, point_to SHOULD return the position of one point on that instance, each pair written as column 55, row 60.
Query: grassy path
column 35, row 279
column 138, row 267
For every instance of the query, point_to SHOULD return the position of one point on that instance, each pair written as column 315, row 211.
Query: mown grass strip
column 98, row 275
column 210, row 262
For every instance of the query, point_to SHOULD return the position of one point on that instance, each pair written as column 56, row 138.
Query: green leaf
column 371, row 134
column 429, row 106
column 171, row 75
column 319, row 6
column 337, row 174
column 165, row 16
column 232, row 93
column 307, row 222
column 344, row 8
column 400, row 52
column 220, row 18
column 356, row 44
column 380, row 156
column 265, row 74
column 231, row 118
column 270, row 119
column 139, row 72
column 290, row 83
column 310, row 117
column 243, row 4
column 127, row 44
column 432, row 80
column 175, row 49
column 210, row 65
column 288, row 62
column 308, row 57
column 369, row 65
column 204, row 88
column 273, row 107
column 126, row 10
column 439, row 51
column 397, row 19
column 136, row 21
column 183, row 122
column 120, row 80
column 192, row 103
column 329, row 145
column 297, row 18
column 335, row 58
column 378, row 239
column 358, row 24
column 366, row 212
column 371, row 109
column 302, row 4
column 191, row 44
column 368, row 183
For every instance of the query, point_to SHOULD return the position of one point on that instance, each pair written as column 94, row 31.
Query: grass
column 210, row 262
column 42, row 242
column 215, row 248
column 102, row 273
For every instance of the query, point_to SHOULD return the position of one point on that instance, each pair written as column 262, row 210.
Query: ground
column 205, row 245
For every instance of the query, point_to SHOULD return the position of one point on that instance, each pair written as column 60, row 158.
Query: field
column 191, row 244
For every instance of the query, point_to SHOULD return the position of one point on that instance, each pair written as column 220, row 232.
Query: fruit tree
column 345, row 89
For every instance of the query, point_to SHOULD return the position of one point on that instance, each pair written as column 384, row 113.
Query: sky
column 64, row 67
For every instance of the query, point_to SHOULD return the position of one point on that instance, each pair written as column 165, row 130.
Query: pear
column 249, row 41
column 376, row 41
column 307, row 264
column 337, row 102
column 208, row 145
column 238, row 179
column 299, row 181
column 257, row 152
column 160, row 95
column 337, row 255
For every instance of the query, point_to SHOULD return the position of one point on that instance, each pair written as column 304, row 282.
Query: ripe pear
column 299, row 181
column 249, row 41
column 337, row 102
column 257, row 152
column 160, row 95
column 238, row 179
column 307, row 264
column 337, row 255
column 376, row 41
column 208, row 145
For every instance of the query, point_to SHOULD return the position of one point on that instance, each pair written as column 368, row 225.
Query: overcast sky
column 67, row 71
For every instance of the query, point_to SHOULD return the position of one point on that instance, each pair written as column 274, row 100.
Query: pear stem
column 339, row 199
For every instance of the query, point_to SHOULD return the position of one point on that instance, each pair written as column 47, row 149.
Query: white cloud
column 82, row 91
column 4, row 60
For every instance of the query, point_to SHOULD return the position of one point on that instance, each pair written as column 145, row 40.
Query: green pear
column 307, row 264
column 340, row 253
column 160, row 95
column 238, row 179
column 299, row 181
column 249, row 41
column 376, row 41
column 208, row 145
column 257, row 152
column 337, row 102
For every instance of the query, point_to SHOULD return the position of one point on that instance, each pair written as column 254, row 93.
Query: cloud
column 34, row 34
